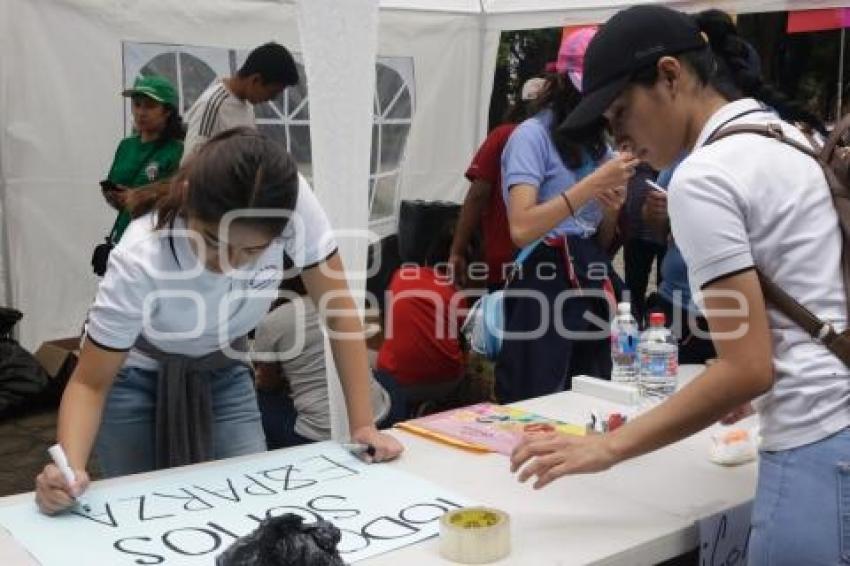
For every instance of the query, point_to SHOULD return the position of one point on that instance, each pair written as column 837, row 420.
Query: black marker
column 359, row 448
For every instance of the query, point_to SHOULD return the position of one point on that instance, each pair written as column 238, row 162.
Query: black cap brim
column 591, row 107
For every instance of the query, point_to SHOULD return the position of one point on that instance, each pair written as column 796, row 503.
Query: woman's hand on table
column 52, row 492
column 386, row 447
column 547, row 457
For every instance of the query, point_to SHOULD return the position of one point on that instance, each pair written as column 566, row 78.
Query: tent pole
column 840, row 76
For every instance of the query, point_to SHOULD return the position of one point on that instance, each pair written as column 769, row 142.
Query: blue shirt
column 530, row 157
column 674, row 286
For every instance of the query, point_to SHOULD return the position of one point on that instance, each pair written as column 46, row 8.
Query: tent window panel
column 195, row 76
column 376, row 146
column 287, row 118
column 272, row 110
column 275, row 131
column 383, row 202
column 297, row 105
column 389, row 83
column 393, row 140
column 299, row 147
column 402, row 108
column 164, row 65
column 371, row 193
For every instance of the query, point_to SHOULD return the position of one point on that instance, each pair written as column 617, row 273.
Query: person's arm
column 115, row 198
column 328, row 288
column 743, row 371
column 654, row 213
column 470, row 216
column 79, row 419
column 529, row 220
column 612, row 204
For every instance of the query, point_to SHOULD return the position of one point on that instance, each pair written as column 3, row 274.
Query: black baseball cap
column 632, row 40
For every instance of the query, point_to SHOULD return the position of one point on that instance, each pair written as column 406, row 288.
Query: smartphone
column 108, row 185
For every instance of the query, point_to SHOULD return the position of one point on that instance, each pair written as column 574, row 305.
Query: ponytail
column 167, row 198
column 738, row 70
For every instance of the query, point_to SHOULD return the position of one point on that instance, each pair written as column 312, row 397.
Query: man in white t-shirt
column 229, row 103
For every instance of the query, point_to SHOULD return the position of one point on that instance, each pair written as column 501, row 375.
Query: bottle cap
column 657, row 319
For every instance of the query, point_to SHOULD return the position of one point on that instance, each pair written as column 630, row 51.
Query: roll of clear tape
column 475, row 535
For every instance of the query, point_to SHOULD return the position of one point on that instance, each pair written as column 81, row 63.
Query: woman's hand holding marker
column 58, row 487
column 380, row 446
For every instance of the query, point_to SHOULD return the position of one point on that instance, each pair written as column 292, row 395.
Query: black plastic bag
column 23, row 381
column 285, row 541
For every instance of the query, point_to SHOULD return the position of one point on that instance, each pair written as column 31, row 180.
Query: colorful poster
column 485, row 427
column 189, row 518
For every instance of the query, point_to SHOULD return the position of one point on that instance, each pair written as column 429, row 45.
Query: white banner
column 188, row 518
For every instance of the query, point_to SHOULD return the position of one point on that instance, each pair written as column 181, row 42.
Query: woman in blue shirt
column 564, row 191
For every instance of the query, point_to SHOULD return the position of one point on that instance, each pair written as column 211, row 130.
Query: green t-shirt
column 140, row 163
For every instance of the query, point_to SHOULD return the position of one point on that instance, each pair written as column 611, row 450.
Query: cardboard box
column 59, row 358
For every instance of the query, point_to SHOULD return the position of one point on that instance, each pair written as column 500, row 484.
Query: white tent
column 63, row 63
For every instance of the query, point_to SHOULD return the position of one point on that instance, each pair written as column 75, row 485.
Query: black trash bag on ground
column 285, row 541
column 8, row 319
column 23, row 382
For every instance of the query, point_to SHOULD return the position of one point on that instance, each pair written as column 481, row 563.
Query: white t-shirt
column 156, row 286
column 215, row 111
column 748, row 200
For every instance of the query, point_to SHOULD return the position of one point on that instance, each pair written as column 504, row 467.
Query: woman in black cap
column 737, row 204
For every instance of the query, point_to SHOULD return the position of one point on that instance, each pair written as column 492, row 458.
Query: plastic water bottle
column 624, row 344
column 658, row 357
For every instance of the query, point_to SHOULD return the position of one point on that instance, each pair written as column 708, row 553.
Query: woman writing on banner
column 568, row 191
column 160, row 381
column 771, row 210
column 151, row 154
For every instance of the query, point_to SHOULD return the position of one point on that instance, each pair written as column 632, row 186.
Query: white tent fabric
column 61, row 116
column 342, row 127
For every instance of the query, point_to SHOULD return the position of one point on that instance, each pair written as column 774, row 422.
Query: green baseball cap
column 156, row 87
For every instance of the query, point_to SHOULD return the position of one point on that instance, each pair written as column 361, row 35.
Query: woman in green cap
column 151, row 154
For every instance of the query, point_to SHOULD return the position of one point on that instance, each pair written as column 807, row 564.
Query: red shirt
column 487, row 166
column 422, row 328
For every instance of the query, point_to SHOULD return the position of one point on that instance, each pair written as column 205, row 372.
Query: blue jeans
column 125, row 442
column 801, row 514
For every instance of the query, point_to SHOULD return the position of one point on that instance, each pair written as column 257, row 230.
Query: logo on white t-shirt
column 265, row 277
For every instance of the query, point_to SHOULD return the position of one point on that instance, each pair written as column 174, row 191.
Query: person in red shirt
column 423, row 322
column 484, row 202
